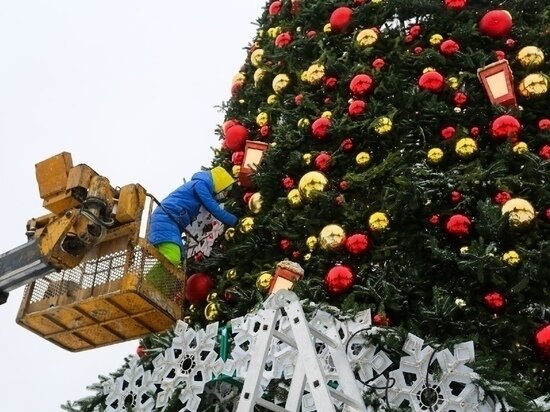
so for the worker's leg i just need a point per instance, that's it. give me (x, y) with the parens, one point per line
(158, 276)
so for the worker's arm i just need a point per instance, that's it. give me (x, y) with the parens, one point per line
(210, 203)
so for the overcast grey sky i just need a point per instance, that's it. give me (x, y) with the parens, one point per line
(129, 88)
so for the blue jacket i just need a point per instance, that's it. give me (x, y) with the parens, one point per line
(183, 205)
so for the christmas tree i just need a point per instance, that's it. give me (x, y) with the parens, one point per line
(405, 169)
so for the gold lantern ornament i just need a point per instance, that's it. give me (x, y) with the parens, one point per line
(280, 82)
(229, 233)
(246, 225)
(383, 125)
(498, 81)
(294, 198)
(466, 147)
(212, 311)
(534, 85)
(263, 281)
(530, 57)
(520, 212)
(434, 156)
(332, 237)
(286, 274)
(255, 203)
(367, 37)
(362, 159)
(311, 183)
(378, 221)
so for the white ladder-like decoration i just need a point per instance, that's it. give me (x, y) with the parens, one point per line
(308, 368)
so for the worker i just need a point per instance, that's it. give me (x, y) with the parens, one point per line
(180, 208)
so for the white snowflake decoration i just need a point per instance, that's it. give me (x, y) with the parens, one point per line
(135, 389)
(187, 365)
(415, 385)
(204, 230)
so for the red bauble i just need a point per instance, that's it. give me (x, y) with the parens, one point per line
(311, 34)
(357, 244)
(460, 98)
(339, 279)
(496, 23)
(247, 196)
(283, 39)
(542, 342)
(546, 214)
(431, 81)
(320, 128)
(415, 31)
(544, 152)
(494, 302)
(343, 185)
(264, 130)
(288, 182)
(378, 64)
(544, 124)
(447, 132)
(236, 88)
(340, 200)
(434, 219)
(500, 55)
(418, 50)
(198, 257)
(340, 18)
(322, 161)
(361, 84)
(381, 319)
(141, 351)
(456, 196)
(474, 131)
(409, 38)
(226, 125)
(275, 8)
(504, 127)
(235, 137)
(198, 287)
(510, 43)
(284, 244)
(502, 197)
(347, 145)
(298, 99)
(455, 4)
(331, 82)
(357, 108)
(449, 47)
(237, 158)
(458, 225)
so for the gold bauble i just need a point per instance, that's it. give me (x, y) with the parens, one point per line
(187, 319)
(303, 123)
(511, 258)
(312, 182)
(257, 57)
(436, 39)
(460, 302)
(280, 82)
(311, 243)
(246, 224)
(212, 311)
(259, 74)
(229, 233)
(255, 203)
(327, 114)
(520, 148)
(274, 31)
(272, 98)
(464, 250)
(453, 83)
(304, 76)
(262, 119)
(327, 28)
(231, 274)
(332, 237)
(238, 78)
(465, 147)
(530, 57)
(307, 256)
(435, 155)
(367, 37)
(294, 198)
(315, 73)
(307, 158)
(236, 170)
(212, 297)
(192, 308)
(263, 281)
(427, 70)
(362, 158)
(383, 125)
(521, 212)
(533, 85)
(378, 221)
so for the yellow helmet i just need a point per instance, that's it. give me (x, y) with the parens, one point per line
(221, 178)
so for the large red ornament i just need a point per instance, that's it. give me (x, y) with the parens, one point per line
(340, 18)
(449, 47)
(431, 81)
(455, 4)
(458, 225)
(494, 302)
(504, 127)
(496, 23)
(198, 287)
(361, 84)
(357, 244)
(235, 137)
(283, 39)
(544, 124)
(275, 8)
(544, 152)
(339, 279)
(460, 98)
(357, 108)
(542, 341)
(320, 128)
(322, 161)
